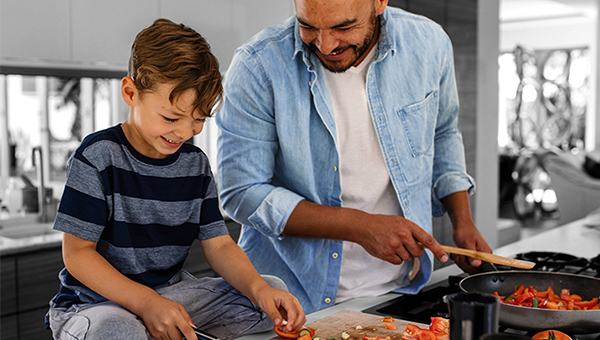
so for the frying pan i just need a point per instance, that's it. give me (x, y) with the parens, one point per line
(538, 319)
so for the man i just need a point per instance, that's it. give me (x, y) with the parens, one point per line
(338, 141)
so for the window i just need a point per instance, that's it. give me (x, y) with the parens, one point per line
(51, 115)
(543, 98)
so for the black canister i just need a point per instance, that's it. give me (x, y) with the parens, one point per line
(473, 315)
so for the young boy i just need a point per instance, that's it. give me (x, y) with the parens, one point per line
(135, 199)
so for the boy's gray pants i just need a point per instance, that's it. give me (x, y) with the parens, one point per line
(214, 306)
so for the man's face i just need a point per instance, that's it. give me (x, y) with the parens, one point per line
(340, 32)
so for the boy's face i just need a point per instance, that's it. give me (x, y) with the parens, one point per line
(157, 128)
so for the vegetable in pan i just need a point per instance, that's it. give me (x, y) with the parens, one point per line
(529, 297)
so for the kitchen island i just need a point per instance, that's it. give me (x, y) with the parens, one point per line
(580, 238)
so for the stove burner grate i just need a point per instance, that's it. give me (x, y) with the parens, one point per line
(560, 262)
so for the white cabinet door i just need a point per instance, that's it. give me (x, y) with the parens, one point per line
(103, 31)
(212, 19)
(35, 30)
(227, 24)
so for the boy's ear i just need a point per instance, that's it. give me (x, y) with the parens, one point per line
(128, 91)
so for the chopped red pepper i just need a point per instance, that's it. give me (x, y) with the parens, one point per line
(548, 299)
(586, 304)
(524, 297)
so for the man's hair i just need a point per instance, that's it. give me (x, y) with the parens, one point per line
(167, 52)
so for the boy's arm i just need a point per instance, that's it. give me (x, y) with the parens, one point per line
(162, 317)
(229, 260)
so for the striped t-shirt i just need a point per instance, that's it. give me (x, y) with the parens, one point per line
(144, 213)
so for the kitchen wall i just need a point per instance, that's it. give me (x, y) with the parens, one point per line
(97, 35)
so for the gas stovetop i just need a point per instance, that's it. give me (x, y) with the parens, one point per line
(431, 301)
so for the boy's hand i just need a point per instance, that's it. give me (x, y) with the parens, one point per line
(280, 305)
(167, 319)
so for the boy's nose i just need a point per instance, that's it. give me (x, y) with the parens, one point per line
(185, 133)
(190, 131)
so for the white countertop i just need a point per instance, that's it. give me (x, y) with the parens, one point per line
(576, 238)
(579, 238)
(25, 234)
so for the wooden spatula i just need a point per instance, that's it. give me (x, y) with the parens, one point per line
(497, 259)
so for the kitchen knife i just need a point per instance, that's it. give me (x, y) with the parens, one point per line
(203, 335)
(497, 259)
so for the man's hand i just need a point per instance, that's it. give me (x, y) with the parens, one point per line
(464, 232)
(468, 237)
(167, 319)
(390, 238)
(394, 239)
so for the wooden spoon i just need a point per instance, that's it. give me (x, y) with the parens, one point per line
(497, 259)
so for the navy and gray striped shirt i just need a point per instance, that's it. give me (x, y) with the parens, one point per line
(144, 213)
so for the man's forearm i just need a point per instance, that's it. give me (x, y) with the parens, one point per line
(458, 207)
(314, 220)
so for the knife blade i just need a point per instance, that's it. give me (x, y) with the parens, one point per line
(203, 335)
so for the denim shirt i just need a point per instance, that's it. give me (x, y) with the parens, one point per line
(277, 144)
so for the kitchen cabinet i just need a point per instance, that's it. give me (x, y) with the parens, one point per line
(35, 30)
(103, 31)
(29, 280)
(87, 35)
(9, 287)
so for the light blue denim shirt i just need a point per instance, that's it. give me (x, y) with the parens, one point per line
(277, 144)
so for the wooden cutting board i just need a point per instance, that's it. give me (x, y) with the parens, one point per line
(332, 326)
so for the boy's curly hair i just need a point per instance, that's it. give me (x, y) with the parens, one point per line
(167, 52)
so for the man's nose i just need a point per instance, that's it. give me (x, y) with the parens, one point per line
(326, 42)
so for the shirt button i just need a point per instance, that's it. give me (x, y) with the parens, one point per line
(334, 255)
(327, 300)
(335, 168)
(309, 83)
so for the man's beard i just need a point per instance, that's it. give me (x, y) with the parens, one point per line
(359, 50)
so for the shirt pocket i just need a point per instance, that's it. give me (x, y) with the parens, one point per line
(419, 122)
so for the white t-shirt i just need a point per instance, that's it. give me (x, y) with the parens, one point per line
(365, 182)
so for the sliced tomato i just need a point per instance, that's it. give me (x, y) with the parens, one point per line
(440, 327)
(388, 319)
(293, 335)
(390, 326)
(413, 332)
(427, 335)
(551, 335)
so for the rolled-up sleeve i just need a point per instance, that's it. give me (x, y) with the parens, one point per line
(449, 170)
(247, 146)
